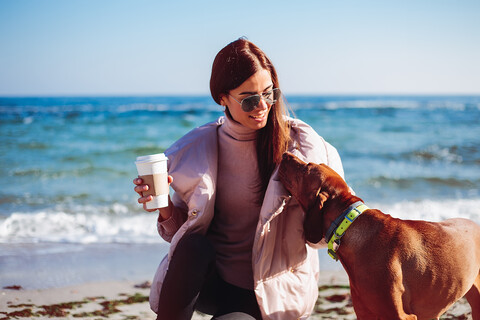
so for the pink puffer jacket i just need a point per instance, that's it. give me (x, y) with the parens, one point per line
(285, 266)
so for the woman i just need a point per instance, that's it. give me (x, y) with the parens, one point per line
(238, 249)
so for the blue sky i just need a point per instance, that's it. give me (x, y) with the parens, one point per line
(146, 47)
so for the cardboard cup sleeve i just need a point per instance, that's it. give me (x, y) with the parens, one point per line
(153, 171)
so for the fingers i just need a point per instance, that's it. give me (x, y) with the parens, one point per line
(145, 199)
(141, 188)
(139, 181)
(148, 210)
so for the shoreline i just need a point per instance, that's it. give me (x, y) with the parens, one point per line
(54, 265)
(129, 300)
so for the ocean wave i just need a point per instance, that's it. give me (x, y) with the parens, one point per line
(59, 173)
(372, 104)
(436, 152)
(410, 182)
(92, 224)
(89, 225)
(27, 109)
(432, 210)
(468, 153)
(462, 153)
(453, 103)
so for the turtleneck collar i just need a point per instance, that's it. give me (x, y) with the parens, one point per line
(238, 131)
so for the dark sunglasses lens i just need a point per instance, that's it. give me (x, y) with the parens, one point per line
(250, 103)
(272, 96)
(276, 94)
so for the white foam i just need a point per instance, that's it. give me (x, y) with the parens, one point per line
(368, 104)
(88, 225)
(120, 224)
(432, 210)
(389, 103)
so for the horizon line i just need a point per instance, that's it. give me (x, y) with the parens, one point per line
(292, 94)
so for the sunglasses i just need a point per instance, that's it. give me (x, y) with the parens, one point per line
(250, 103)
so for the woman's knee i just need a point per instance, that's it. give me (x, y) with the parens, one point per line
(234, 316)
(195, 246)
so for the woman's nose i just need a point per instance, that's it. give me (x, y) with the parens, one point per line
(262, 104)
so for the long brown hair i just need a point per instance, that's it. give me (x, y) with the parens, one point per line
(234, 64)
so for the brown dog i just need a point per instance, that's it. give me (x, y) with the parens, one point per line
(398, 269)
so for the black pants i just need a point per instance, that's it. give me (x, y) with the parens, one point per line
(192, 283)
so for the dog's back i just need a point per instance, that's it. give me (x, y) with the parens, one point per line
(439, 263)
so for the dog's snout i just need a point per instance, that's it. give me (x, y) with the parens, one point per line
(287, 156)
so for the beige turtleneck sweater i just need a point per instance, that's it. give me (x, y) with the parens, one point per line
(237, 210)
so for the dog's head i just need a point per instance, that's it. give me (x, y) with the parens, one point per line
(312, 185)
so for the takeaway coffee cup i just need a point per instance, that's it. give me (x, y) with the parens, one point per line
(153, 171)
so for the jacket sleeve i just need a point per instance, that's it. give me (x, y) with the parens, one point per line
(315, 148)
(333, 159)
(334, 162)
(188, 165)
(167, 228)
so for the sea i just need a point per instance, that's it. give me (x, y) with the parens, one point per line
(69, 215)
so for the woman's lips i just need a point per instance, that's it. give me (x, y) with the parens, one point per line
(259, 117)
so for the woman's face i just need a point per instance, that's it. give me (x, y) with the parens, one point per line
(260, 82)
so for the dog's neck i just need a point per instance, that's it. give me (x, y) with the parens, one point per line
(340, 225)
(334, 207)
(338, 221)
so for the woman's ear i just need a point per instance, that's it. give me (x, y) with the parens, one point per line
(223, 101)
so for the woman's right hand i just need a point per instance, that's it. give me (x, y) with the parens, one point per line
(140, 187)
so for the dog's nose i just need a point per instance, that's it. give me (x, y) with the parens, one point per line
(286, 156)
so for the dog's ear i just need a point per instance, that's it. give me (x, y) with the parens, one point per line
(313, 224)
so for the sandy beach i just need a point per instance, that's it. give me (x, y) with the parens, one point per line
(129, 300)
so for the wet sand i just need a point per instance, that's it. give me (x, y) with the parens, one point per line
(129, 300)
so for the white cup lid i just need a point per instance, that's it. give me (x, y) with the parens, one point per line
(152, 158)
